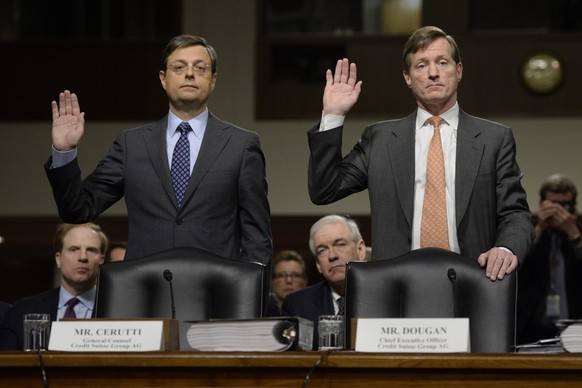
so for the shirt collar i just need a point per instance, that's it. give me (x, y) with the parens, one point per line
(198, 123)
(87, 298)
(451, 117)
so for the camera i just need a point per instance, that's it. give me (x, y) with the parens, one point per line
(568, 205)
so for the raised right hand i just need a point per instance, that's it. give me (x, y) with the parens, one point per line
(341, 88)
(68, 122)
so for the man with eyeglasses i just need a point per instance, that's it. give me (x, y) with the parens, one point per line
(289, 275)
(189, 179)
(334, 241)
(549, 287)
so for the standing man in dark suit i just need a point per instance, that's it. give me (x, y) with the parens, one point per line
(79, 250)
(487, 215)
(334, 241)
(224, 209)
(549, 287)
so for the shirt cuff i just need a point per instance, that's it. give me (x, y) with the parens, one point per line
(330, 121)
(62, 158)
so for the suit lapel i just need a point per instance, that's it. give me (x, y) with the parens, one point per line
(216, 136)
(401, 156)
(469, 155)
(326, 300)
(155, 141)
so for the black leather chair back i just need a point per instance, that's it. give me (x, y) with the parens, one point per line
(205, 286)
(419, 285)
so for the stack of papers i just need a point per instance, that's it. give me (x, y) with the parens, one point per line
(550, 345)
(253, 335)
(571, 337)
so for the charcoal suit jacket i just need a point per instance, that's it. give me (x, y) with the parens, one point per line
(310, 303)
(12, 331)
(490, 202)
(225, 209)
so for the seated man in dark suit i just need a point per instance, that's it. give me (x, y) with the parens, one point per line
(3, 309)
(79, 250)
(334, 241)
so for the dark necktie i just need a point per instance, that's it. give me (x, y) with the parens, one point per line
(70, 311)
(181, 163)
(341, 304)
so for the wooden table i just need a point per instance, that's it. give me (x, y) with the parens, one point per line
(289, 369)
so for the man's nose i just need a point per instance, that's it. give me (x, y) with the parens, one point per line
(333, 255)
(433, 70)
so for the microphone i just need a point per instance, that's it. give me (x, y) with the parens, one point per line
(168, 276)
(452, 275)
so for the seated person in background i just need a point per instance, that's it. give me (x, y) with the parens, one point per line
(116, 251)
(3, 309)
(549, 286)
(288, 275)
(334, 241)
(79, 250)
(368, 253)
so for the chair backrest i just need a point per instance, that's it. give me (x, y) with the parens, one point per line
(206, 286)
(419, 285)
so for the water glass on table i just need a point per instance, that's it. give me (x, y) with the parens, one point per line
(36, 331)
(331, 332)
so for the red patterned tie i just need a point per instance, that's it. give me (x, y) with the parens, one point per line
(70, 311)
(434, 231)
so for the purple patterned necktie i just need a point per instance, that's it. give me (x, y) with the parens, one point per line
(70, 311)
(181, 163)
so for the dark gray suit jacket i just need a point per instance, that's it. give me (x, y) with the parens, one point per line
(310, 303)
(12, 331)
(491, 206)
(225, 210)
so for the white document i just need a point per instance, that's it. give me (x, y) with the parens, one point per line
(413, 335)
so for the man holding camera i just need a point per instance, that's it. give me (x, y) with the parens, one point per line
(549, 282)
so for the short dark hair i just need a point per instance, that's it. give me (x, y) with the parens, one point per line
(423, 37)
(558, 183)
(183, 41)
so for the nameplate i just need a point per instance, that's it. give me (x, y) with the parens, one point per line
(89, 335)
(412, 335)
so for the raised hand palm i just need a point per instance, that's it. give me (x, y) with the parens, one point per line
(68, 122)
(342, 88)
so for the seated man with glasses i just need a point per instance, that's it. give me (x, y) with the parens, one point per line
(334, 241)
(289, 275)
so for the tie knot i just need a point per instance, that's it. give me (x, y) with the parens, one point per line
(184, 128)
(72, 302)
(436, 121)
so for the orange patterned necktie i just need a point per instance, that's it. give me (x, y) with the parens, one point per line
(434, 231)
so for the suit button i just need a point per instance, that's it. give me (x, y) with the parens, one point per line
(179, 221)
